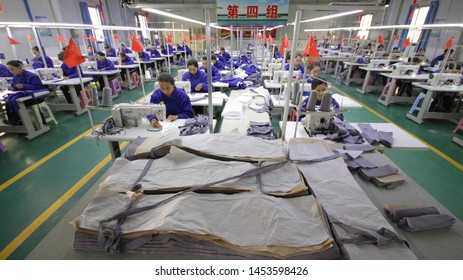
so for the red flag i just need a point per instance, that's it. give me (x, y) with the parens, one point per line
(284, 44)
(73, 56)
(313, 52)
(342, 38)
(1, 9)
(92, 39)
(116, 37)
(128, 37)
(147, 18)
(358, 37)
(60, 38)
(396, 37)
(136, 45)
(406, 43)
(270, 39)
(12, 41)
(101, 11)
(186, 39)
(29, 38)
(307, 47)
(212, 39)
(450, 42)
(359, 17)
(84, 37)
(196, 37)
(413, 10)
(204, 37)
(380, 39)
(169, 38)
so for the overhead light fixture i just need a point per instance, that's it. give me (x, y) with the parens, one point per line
(332, 16)
(154, 11)
(424, 26)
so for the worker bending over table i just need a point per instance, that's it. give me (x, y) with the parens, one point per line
(178, 105)
(320, 87)
(198, 79)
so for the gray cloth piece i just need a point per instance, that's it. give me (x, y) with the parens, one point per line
(265, 108)
(263, 130)
(398, 214)
(386, 138)
(426, 222)
(363, 162)
(378, 172)
(197, 125)
(369, 133)
(364, 147)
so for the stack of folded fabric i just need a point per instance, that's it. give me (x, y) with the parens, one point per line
(418, 218)
(345, 133)
(197, 125)
(263, 130)
(384, 176)
(233, 110)
(375, 137)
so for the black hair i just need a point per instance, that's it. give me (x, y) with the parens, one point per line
(222, 48)
(416, 60)
(192, 62)
(35, 48)
(61, 55)
(316, 82)
(123, 54)
(204, 58)
(313, 65)
(106, 46)
(167, 78)
(14, 63)
(101, 54)
(122, 45)
(213, 57)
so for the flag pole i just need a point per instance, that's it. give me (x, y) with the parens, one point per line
(12, 46)
(85, 98)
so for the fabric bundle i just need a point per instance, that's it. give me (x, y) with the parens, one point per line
(197, 125)
(263, 130)
(418, 218)
(233, 110)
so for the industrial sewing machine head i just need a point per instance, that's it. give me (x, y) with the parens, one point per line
(440, 79)
(4, 84)
(130, 115)
(379, 63)
(280, 76)
(405, 69)
(319, 119)
(46, 74)
(89, 65)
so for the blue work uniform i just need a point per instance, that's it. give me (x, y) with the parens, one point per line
(219, 65)
(29, 80)
(199, 78)
(215, 73)
(37, 62)
(4, 72)
(111, 52)
(437, 59)
(144, 56)
(127, 61)
(69, 72)
(155, 53)
(177, 104)
(296, 68)
(334, 103)
(105, 65)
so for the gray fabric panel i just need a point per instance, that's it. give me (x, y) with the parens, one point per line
(378, 172)
(398, 214)
(426, 222)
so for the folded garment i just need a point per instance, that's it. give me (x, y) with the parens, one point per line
(197, 97)
(364, 147)
(386, 138)
(381, 171)
(369, 133)
(259, 108)
(426, 222)
(233, 110)
(389, 182)
(398, 212)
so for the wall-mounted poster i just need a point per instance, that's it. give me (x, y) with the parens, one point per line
(46, 32)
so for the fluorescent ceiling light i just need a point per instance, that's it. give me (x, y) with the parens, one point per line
(424, 26)
(332, 16)
(154, 11)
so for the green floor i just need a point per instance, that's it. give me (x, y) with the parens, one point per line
(45, 189)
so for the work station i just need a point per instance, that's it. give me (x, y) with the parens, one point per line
(287, 130)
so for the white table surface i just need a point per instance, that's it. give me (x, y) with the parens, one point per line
(67, 82)
(343, 101)
(402, 140)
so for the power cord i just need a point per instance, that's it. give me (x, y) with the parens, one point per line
(107, 127)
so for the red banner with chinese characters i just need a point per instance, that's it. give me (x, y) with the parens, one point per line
(244, 12)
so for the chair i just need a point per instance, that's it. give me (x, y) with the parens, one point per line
(46, 111)
(385, 89)
(459, 126)
(418, 102)
(135, 78)
(115, 86)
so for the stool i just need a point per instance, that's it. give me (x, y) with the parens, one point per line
(49, 117)
(115, 86)
(81, 97)
(135, 78)
(418, 102)
(459, 126)
(293, 115)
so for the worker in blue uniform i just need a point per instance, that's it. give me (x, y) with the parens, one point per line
(104, 64)
(440, 57)
(223, 55)
(320, 87)
(68, 73)
(22, 81)
(178, 105)
(37, 61)
(215, 72)
(126, 60)
(123, 48)
(110, 52)
(198, 79)
(217, 63)
(297, 64)
(4, 72)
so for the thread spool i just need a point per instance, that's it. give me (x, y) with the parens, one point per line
(95, 99)
(298, 97)
(325, 105)
(107, 99)
(294, 90)
(312, 101)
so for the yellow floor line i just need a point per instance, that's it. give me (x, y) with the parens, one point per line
(42, 161)
(432, 148)
(52, 209)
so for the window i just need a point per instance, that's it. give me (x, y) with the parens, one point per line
(365, 23)
(419, 16)
(96, 21)
(143, 25)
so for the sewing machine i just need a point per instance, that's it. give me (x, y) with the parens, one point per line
(185, 85)
(378, 63)
(317, 121)
(280, 75)
(440, 79)
(46, 74)
(89, 65)
(4, 84)
(130, 115)
(405, 69)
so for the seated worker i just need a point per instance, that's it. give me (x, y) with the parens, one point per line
(104, 64)
(37, 61)
(90, 51)
(178, 105)
(276, 53)
(406, 85)
(155, 52)
(4, 72)
(68, 73)
(198, 79)
(440, 57)
(380, 48)
(217, 63)
(297, 64)
(123, 48)
(215, 72)
(22, 80)
(223, 56)
(313, 70)
(143, 56)
(321, 87)
(164, 50)
(110, 52)
(127, 60)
